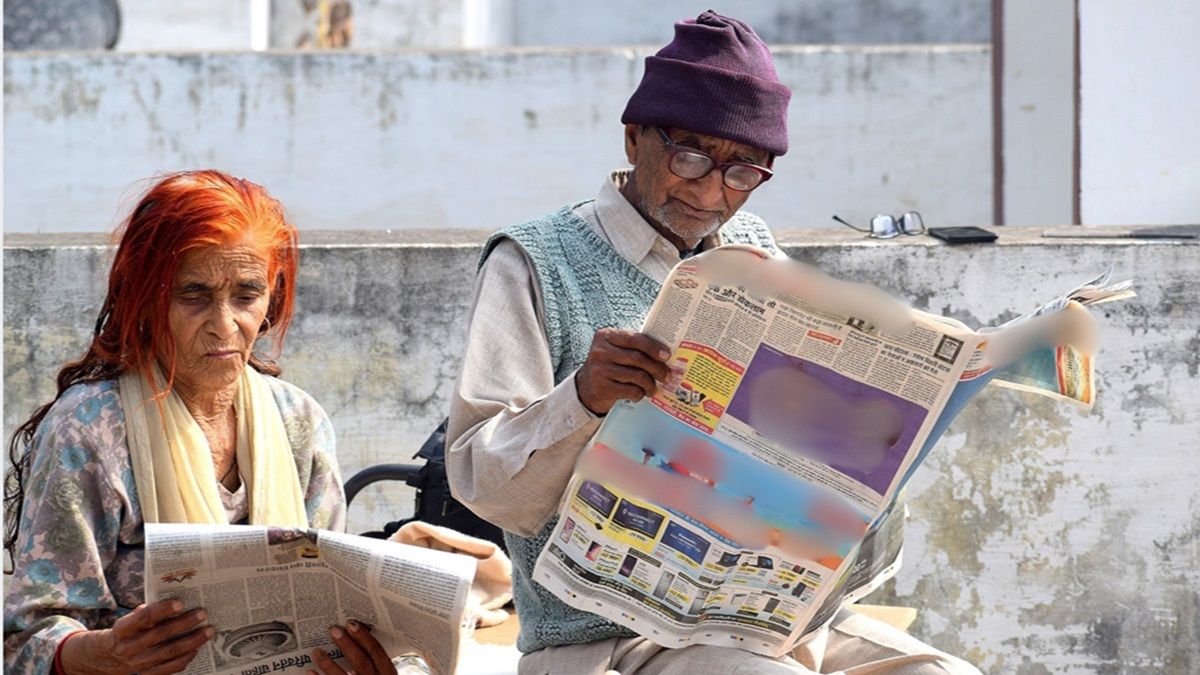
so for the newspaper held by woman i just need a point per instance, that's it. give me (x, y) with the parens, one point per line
(272, 593)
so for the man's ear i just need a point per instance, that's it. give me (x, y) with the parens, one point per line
(632, 131)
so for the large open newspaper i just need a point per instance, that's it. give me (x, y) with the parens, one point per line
(273, 593)
(757, 491)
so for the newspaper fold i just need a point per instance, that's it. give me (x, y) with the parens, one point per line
(273, 593)
(759, 489)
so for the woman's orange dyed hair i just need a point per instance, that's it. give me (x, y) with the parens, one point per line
(182, 213)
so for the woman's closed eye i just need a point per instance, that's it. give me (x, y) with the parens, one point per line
(193, 299)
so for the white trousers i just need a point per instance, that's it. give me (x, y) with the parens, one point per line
(853, 644)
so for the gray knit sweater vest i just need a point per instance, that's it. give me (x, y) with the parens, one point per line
(586, 285)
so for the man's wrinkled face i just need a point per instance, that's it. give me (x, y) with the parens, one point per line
(688, 209)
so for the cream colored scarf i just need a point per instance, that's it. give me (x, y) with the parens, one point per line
(173, 466)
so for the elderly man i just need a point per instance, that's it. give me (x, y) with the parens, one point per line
(553, 343)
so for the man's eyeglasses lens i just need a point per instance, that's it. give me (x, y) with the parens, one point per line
(691, 164)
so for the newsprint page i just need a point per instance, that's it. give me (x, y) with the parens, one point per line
(759, 489)
(272, 593)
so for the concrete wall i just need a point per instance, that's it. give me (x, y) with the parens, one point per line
(779, 22)
(1043, 539)
(1038, 109)
(1140, 108)
(383, 24)
(438, 139)
(378, 24)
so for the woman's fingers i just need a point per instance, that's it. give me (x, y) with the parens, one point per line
(326, 663)
(145, 616)
(175, 665)
(159, 637)
(361, 633)
(360, 661)
(163, 632)
(363, 652)
(182, 648)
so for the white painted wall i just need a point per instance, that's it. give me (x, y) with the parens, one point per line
(175, 25)
(1038, 108)
(472, 138)
(1140, 113)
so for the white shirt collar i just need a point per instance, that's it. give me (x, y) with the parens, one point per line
(626, 229)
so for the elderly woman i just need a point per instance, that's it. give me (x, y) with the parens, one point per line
(168, 417)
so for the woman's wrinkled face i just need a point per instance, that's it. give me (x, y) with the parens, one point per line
(219, 301)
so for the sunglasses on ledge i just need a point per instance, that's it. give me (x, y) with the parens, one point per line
(884, 226)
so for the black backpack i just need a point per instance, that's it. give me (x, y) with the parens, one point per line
(434, 503)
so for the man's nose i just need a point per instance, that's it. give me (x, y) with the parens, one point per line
(709, 189)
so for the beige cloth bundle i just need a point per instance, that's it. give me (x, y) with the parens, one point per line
(492, 588)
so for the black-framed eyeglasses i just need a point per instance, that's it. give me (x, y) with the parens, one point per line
(690, 163)
(884, 226)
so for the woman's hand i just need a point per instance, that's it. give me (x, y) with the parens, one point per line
(361, 649)
(152, 639)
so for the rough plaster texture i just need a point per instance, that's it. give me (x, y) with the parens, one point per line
(437, 139)
(1043, 539)
(614, 22)
(384, 24)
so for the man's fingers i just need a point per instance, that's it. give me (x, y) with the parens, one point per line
(636, 350)
(379, 657)
(609, 383)
(641, 342)
(621, 364)
(618, 375)
(635, 359)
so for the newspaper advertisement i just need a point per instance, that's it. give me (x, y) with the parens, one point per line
(758, 490)
(273, 593)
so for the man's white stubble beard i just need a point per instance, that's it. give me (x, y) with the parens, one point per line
(663, 215)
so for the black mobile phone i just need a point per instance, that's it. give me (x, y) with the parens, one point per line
(962, 235)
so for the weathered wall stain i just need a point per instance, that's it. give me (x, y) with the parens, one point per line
(1043, 539)
(98, 122)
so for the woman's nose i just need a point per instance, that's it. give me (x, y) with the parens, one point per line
(221, 320)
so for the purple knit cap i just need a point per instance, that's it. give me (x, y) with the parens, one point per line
(715, 78)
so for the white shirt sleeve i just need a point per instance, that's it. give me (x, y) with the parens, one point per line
(513, 435)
